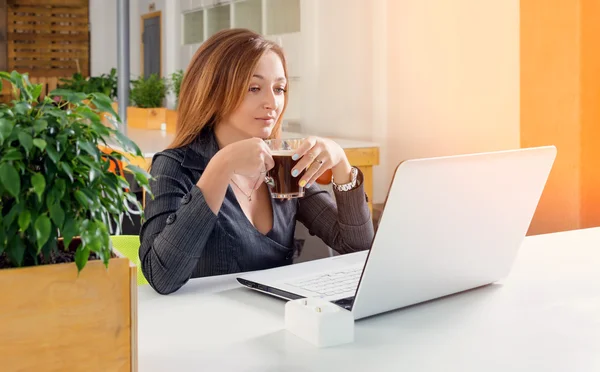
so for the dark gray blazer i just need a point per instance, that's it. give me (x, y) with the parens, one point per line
(182, 238)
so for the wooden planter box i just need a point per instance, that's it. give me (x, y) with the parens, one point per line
(151, 118)
(53, 320)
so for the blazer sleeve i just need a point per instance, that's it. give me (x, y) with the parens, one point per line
(344, 224)
(178, 223)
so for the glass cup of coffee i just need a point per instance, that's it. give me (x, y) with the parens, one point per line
(280, 180)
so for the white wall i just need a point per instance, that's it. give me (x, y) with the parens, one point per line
(103, 36)
(337, 82)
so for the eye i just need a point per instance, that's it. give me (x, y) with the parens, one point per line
(254, 89)
(280, 90)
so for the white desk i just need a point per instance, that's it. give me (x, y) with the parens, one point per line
(544, 317)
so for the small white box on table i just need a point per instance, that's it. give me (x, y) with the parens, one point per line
(319, 322)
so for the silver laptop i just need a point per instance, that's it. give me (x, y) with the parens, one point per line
(449, 224)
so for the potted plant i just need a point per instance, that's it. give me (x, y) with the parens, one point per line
(175, 87)
(146, 109)
(105, 83)
(68, 299)
(176, 79)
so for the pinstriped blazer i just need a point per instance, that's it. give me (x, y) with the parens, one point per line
(181, 238)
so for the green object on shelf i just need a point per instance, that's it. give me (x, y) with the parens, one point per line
(128, 246)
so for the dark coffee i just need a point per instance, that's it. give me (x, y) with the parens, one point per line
(281, 182)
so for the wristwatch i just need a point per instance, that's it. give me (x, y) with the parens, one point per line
(350, 185)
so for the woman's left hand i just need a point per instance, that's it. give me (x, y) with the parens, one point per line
(317, 155)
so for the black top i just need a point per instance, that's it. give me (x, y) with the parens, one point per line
(182, 238)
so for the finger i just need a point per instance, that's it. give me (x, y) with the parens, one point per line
(306, 145)
(322, 169)
(267, 158)
(306, 160)
(265, 165)
(312, 170)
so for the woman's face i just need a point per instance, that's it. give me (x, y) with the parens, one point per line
(264, 101)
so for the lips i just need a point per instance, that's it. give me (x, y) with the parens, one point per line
(268, 121)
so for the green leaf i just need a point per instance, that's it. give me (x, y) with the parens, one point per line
(91, 235)
(89, 162)
(12, 154)
(51, 198)
(61, 186)
(53, 154)
(50, 246)
(104, 251)
(6, 127)
(24, 220)
(87, 112)
(91, 195)
(36, 91)
(101, 129)
(10, 179)
(127, 144)
(83, 199)
(22, 108)
(68, 95)
(26, 141)
(8, 219)
(131, 197)
(110, 205)
(137, 170)
(69, 230)
(94, 174)
(104, 104)
(67, 168)
(16, 252)
(42, 230)
(39, 143)
(59, 114)
(2, 240)
(82, 255)
(40, 125)
(57, 214)
(39, 184)
(90, 149)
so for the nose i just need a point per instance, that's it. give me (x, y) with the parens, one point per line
(270, 102)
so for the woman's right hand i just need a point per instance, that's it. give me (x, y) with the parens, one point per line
(249, 158)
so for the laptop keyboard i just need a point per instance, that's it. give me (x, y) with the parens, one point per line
(343, 282)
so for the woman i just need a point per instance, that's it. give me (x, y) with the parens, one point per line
(212, 213)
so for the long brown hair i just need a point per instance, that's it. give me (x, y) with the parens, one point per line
(217, 79)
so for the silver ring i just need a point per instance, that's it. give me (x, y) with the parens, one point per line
(318, 162)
